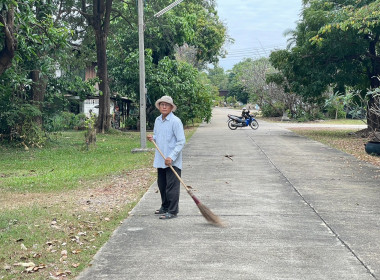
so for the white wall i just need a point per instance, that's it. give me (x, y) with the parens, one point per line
(90, 104)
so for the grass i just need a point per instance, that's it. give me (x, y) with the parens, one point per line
(330, 121)
(344, 122)
(60, 204)
(66, 161)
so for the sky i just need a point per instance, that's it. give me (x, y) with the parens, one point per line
(257, 26)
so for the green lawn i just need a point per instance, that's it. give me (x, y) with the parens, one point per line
(344, 121)
(65, 161)
(331, 121)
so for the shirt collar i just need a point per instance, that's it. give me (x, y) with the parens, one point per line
(168, 117)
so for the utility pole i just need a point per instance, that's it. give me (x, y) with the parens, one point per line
(142, 76)
(140, 7)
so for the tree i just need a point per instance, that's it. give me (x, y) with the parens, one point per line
(179, 34)
(336, 45)
(218, 77)
(364, 21)
(99, 19)
(278, 91)
(37, 41)
(248, 80)
(195, 23)
(184, 83)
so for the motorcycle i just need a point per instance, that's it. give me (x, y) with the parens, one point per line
(235, 121)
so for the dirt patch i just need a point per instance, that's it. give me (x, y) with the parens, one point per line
(116, 191)
(98, 196)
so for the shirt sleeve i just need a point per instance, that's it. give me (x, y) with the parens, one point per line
(155, 130)
(179, 134)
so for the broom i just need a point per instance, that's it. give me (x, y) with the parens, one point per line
(206, 212)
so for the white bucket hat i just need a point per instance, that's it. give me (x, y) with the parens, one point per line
(166, 99)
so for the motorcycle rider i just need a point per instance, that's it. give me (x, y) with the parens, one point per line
(245, 114)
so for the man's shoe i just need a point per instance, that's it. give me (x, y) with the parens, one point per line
(160, 211)
(168, 216)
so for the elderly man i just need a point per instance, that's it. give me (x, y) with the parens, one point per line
(169, 136)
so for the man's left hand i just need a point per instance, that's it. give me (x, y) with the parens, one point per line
(168, 161)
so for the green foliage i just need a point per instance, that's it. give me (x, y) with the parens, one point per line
(231, 100)
(335, 44)
(196, 23)
(218, 77)
(247, 80)
(336, 113)
(43, 45)
(131, 123)
(65, 121)
(19, 126)
(236, 89)
(272, 110)
(39, 43)
(306, 116)
(182, 82)
(335, 106)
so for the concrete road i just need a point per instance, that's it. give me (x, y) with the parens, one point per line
(294, 209)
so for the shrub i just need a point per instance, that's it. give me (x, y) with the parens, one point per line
(64, 121)
(274, 110)
(336, 112)
(131, 123)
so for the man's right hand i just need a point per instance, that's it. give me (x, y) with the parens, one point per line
(150, 137)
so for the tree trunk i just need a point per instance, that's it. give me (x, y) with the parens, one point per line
(100, 21)
(104, 118)
(38, 92)
(10, 44)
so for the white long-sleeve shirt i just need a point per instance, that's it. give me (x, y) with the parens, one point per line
(170, 138)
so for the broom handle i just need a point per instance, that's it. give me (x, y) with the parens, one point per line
(171, 167)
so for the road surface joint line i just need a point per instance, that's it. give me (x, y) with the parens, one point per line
(315, 211)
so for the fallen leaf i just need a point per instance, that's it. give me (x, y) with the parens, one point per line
(29, 269)
(7, 267)
(62, 273)
(23, 247)
(64, 253)
(41, 266)
(75, 265)
(29, 264)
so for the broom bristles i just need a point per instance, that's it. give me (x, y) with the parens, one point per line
(209, 215)
(206, 212)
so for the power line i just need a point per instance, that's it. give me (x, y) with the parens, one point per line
(239, 54)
